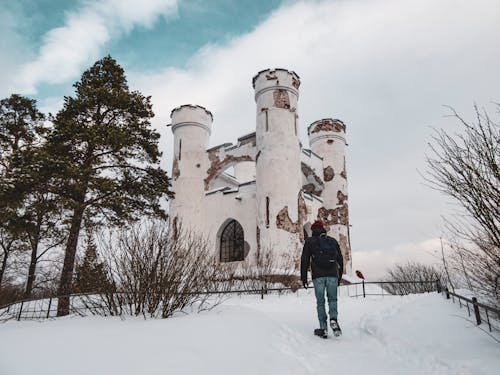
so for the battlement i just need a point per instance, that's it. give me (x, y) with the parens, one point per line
(191, 115)
(193, 107)
(326, 125)
(272, 79)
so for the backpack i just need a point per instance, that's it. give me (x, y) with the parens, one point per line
(324, 255)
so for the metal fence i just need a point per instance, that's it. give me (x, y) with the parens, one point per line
(482, 313)
(99, 304)
(86, 304)
(391, 288)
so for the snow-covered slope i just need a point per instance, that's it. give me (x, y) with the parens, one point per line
(420, 334)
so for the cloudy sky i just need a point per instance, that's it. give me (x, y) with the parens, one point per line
(385, 67)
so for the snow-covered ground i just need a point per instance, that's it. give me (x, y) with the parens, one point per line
(418, 334)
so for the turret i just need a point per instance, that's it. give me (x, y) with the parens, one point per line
(327, 139)
(191, 126)
(280, 208)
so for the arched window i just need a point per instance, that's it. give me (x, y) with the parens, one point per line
(232, 243)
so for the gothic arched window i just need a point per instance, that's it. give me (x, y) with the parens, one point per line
(232, 243)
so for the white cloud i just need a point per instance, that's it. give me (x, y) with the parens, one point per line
(385, 67)
(375, 263)
(65, 50)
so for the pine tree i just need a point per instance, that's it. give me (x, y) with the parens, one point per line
(91, 275)
(103, 158)
(21, 129)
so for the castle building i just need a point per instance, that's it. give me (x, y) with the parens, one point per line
(264, 192)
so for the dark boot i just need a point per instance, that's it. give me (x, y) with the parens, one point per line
(335, 327)
(321, 332)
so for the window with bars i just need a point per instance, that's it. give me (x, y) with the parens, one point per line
(232, 243)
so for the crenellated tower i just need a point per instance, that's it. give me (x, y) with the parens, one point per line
(280, 208)
(327, 138)
(191, 126)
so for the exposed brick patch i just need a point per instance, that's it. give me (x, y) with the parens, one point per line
(284, 222)
(176, 172)
(344, 248)
(328, 125)
(314, 184)
(339, 215)
(328, 173)
(344, 172)
(281, 99)
(217, 165)
(309, 188)
(341, 197)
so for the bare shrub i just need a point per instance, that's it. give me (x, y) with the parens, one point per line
(158, 273)
(267, 270)
(465, 167)
(411, 277)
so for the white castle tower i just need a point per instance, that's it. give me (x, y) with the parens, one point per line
(278, 183)
(262, 193)
(191, 126)
(327, 139)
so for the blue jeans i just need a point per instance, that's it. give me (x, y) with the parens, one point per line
(330, 284)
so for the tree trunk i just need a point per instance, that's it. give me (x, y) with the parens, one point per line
(4, 266)
(31, 272)
(69, 261)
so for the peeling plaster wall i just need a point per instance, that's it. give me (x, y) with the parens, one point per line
(311, 182)
(276, 96)
(327, 139)
(225, 156)
(284, 222)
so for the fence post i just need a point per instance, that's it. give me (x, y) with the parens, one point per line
(447, 293)
(48, 310)
(476, 310)
(438, 286)
(262, 293)
(20, 311)
(364, 293)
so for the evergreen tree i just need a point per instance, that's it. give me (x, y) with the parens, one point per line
(103, 158)
(91, 275)
(21, 130)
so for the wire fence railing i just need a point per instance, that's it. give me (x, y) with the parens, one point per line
(482, 312)
(119, 303)
(122, 303)
(391, 288)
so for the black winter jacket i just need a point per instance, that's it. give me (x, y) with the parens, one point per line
(310, 246)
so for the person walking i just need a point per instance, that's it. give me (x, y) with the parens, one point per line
(322, 253)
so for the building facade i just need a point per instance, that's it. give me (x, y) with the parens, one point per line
(264, 192)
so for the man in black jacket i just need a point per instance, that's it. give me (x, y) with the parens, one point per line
(323, 254)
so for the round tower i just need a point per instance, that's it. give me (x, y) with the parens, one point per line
(327, 138)
(280, 207)
(191, 126)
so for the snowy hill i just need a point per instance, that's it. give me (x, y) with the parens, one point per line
(419, 334)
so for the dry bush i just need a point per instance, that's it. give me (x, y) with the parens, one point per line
(465, 167)
(404, 275)
(158, 272)
(267, 270)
